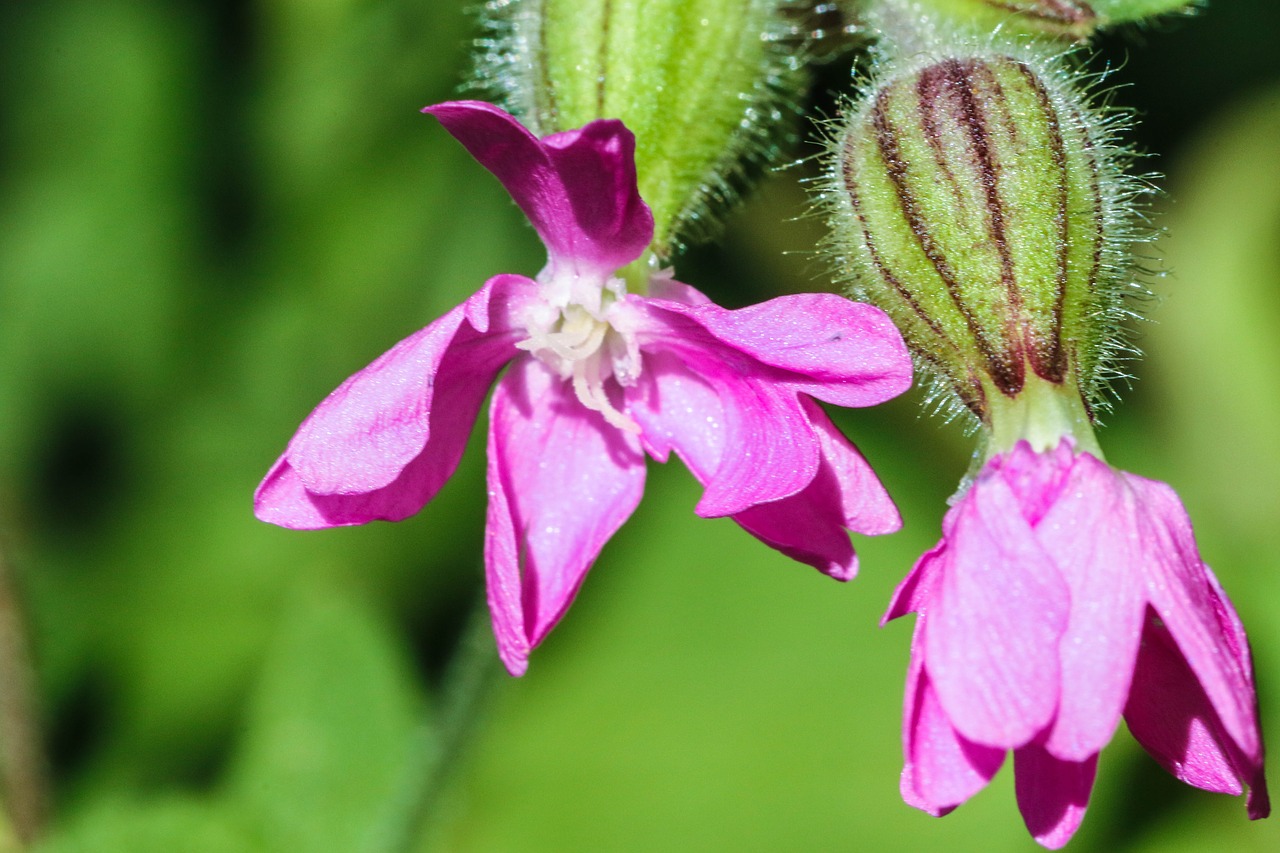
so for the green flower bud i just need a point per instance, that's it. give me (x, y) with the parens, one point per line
(1120, 11)
(703, 84)
(1067, 19)
(981, 203)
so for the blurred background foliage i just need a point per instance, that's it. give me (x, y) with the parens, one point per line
(211, 213)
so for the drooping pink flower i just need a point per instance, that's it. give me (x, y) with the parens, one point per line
(1065, 594)
(596, 378)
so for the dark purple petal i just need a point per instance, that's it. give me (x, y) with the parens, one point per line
(1052, 794)
(810, 525)
(382, 444)
(561, 482)
(1091, 531)
(1186, 596)
(941, 769)
(996, 615)
(842, 352)
(578, 188)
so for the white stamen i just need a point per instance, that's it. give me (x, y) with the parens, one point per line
(576, 331)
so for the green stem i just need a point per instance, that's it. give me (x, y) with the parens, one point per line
(443, 737)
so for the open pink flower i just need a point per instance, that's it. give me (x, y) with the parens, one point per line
(596, 378)
(1063, 595)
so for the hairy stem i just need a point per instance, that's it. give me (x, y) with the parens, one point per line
(443, 737)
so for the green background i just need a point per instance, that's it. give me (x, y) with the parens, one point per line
(212, 213)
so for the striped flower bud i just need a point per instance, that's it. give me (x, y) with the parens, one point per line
(978, 201)
(705, 86)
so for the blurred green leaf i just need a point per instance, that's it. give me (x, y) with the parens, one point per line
(328, 727)
(161, 826)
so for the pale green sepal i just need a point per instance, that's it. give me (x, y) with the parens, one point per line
(1042, 415)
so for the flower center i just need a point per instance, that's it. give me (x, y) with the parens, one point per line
(580, 330)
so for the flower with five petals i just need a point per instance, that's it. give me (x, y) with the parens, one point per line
(1064, 595)
(596, 377)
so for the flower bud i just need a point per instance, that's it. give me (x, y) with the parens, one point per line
(1067, 19)
(1120, 11)
(978, 201)
(703, 84)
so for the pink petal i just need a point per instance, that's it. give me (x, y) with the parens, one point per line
(663, 287)
(372, 450)
(912, 594)
(864, 502)
(283, 499)
(1037, 478)
(361, 437)
(842, 352)
(1187, 598)
(678, 410)
(995, 618)
(748, 441)
(771, 450)
(941, 768)
(1052, 793)
(767, 447)
(1170, 715)
(810, 525)
(561, 482)
(578, 188)
(364, 434)
(1091, 531)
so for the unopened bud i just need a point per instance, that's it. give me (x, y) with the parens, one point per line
(705, 85)
(1119, 11)
(978, 201)
(1069, 19)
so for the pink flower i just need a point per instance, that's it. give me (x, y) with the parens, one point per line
(1064, 594)
(597, 377)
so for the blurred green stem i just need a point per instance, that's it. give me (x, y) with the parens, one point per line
(23, 770)
(453, 719)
